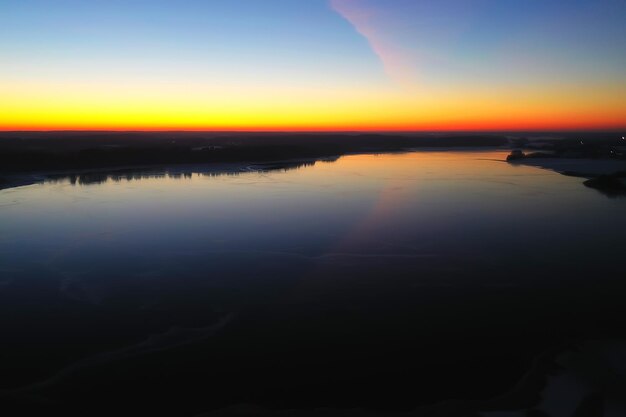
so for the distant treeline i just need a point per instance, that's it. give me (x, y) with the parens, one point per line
(39, 151)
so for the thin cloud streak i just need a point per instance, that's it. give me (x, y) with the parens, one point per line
(397, 63)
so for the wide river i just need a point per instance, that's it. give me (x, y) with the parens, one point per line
(374, 281)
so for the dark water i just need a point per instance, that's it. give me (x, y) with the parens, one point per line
(380, 282)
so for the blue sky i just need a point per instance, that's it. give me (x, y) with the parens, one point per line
(224, 36)
(405, 52)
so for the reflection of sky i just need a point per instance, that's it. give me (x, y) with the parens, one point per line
(398, 260)
(319, 64)
(405, 209)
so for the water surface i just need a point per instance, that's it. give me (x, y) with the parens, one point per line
(379, 281)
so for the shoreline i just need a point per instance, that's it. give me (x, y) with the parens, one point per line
(13, 179)
(605, 175)
(24, 158)
(575, 167)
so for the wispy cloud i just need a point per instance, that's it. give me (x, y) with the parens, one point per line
(365, 19)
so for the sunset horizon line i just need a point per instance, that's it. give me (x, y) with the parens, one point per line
(615, 129)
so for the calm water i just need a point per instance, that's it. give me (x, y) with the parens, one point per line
(373, 281)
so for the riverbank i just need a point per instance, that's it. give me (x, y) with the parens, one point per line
(24, 153)
(33, 157)
(605, 174)
(97, 176)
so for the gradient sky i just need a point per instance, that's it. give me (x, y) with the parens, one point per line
(313, 64)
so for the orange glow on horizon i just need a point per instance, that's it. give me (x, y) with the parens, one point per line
(478, 126)
(195, 107)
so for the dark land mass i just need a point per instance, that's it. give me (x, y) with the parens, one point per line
(601, 160)
(37, 151)
(613, 185)
(45, 154)
(30, 157)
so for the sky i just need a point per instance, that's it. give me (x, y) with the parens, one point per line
(313, 64)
